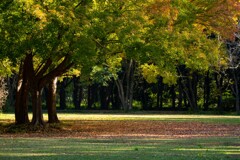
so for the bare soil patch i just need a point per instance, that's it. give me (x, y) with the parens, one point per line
(130, 129)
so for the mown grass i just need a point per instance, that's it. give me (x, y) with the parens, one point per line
(119, 149)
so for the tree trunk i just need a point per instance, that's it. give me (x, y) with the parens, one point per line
(104, 97)
(62, 95)
(12, 83)
(219, 83)
(34, 79)
(125, 92)
(92, 96)
(173, 96)
(121, 95)
(237, 103)
(77, 93)
(180, 95)
(51, 101)
(194, 91)
(185, 100)
(190, 93)
(206, 91)
(159, 94)
(116, 104)
(144, 96)
(37, 108)
(21, 105)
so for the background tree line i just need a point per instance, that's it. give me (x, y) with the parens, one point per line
(99, 54)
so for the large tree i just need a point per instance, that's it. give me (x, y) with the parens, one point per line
(46, 38)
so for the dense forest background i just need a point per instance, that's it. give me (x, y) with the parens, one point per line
(159, 55)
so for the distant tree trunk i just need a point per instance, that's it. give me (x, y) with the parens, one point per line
(116, 104)
(89, 98)
(104, 97)
(194, 91)
(62, 95)
(131, 81)
(219, 84)
(21, 105)
(190, 89)
(125, 92)
(92, 96)
(236, 90)
(185, 100)
(206, 91)
(159, 93)
(144, 96)
(77, 92)
(180, 95)
(51, 101)
(12, 87)
(173, 96)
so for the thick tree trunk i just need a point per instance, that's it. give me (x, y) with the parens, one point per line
(51, 102)
(21, 105)
(34, 79)
(37, 108)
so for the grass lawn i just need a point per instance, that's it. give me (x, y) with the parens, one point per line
(123, 148)
(119, 149)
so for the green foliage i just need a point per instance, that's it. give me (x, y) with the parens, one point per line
(174, 34)
(49, 29)
(6, 68)
(150, 72)
(108, 71)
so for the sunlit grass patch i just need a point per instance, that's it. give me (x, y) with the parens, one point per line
(8, 118)
(179, 118)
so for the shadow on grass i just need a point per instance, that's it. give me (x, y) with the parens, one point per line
(6, 128)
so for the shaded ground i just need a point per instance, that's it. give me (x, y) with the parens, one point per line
(128, 129)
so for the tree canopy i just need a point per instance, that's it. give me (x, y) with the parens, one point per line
(47, 38)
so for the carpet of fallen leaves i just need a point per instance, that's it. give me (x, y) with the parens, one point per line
(132, 129)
